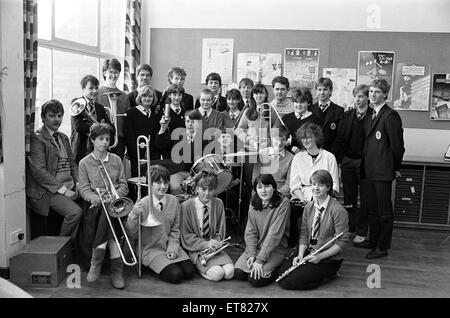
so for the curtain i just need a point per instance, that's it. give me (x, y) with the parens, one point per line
(132, 44)
(30, 65)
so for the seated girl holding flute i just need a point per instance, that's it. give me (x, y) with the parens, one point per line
(161, 250)
(203, 229)
(323, 218)
(266, 234)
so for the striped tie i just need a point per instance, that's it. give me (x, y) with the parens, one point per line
(316, 227)
(205, 222)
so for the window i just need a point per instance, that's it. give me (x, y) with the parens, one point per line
(74, 37)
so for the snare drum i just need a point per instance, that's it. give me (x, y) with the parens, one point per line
(216, 164)
(187, 186)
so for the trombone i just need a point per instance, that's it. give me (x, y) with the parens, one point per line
(141, 143)
(78, 106)
(112, 113)
(115, 207)
(266, 115)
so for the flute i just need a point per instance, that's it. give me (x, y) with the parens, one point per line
(322, 248)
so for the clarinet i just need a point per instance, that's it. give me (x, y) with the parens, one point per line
(325, 246)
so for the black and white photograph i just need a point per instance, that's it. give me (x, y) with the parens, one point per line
(224, 156)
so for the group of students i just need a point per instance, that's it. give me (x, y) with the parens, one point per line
(294, 183)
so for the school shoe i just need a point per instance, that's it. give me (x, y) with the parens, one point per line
(365, 244)
(117, 273)
(98, 254)
(376, 253)
(358, 239)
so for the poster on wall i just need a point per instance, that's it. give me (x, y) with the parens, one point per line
(412, 87)
(440, 97)
(301, 67)
(248, 66)
(270, 67)
(258, 67)
(375, 65)
(344, 81)
(217, 56)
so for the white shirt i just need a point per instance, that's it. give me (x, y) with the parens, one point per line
(190, 137)
(175, 108)
(235, 114)
(317, 207)
(199, 208)
(104, 160)
(144, 111)
(208, 112)
(327, 103)
(301, 116)
(302, 168)
(146, 222)
(377, 108)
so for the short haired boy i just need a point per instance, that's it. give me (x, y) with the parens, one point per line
(214, 84)
(329, 113)
(384, 136)
(82, 122)
(177, 76)
(144, 74)
(352, 133)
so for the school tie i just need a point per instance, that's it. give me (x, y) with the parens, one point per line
(374, 115)
(56, 138)
(205, 222)
(232, 116)
(161, 206)
(323, 106)
(204, 114)
(177, 111)
(316, 226)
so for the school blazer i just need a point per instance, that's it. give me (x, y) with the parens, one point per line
(41, 169)
(80, 131)
(346, 127)
(384, 146)
(330, 125)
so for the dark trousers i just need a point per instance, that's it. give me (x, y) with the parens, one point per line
(247, 188)
(71, 212)
(352, 181)
(381, 214)
(175, 273)
(295, 224)
(241, 275)
(309, 275)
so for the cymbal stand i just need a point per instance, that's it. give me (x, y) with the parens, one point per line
(241, 243)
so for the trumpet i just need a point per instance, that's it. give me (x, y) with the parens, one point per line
(78, 106)
(112, 114)
(206, 254)
(115, 207)
(322, 248)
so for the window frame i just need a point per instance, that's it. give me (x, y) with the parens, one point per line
(58, 44)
